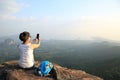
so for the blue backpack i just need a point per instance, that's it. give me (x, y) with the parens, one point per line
(44, 68)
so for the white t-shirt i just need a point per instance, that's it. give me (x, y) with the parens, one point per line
(26, 56)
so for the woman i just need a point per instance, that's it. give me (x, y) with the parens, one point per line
(26, 48)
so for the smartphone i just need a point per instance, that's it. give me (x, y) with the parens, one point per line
(37, 36)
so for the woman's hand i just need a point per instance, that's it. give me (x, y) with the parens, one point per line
(34, 40)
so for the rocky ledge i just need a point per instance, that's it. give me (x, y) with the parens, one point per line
(10, 71)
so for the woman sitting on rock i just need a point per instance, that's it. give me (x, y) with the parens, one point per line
(26, 48)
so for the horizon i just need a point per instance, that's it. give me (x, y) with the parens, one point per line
(94, 39)
(64, 19)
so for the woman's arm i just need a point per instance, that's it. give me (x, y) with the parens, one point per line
(33, 46)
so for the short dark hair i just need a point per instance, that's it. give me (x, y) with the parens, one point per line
(24, 36)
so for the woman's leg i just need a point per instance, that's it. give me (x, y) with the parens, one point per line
(53, 73)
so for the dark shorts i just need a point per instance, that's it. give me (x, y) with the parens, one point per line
(31, 68)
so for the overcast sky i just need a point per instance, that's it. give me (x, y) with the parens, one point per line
(61, 19)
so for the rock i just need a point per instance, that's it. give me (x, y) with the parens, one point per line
(11, 71)
(9, 41)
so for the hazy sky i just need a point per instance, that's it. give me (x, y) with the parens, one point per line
(61, 19)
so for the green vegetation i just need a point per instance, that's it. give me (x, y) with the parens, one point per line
(97, 58)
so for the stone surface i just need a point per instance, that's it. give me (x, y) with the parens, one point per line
(11, 71)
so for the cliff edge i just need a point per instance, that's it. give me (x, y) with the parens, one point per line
(10, 71)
